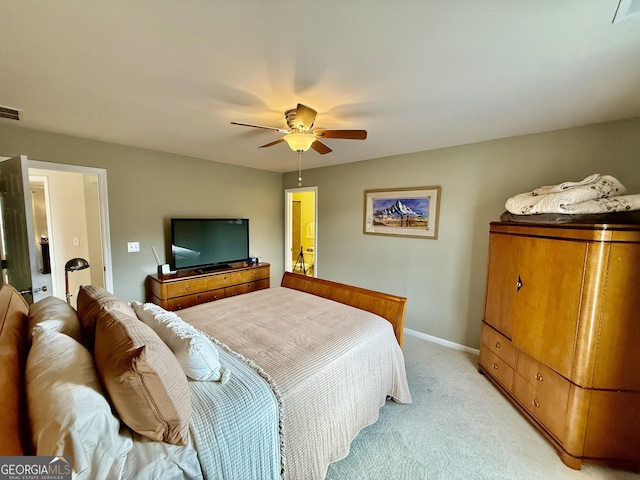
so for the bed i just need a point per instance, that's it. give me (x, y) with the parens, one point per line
(271, 384)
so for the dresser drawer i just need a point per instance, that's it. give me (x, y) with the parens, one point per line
(246, 288)
(543, 392)
(219, 281)
(496, 367)
(251, 275)
(179, 289)
(190, 300)
(499, 344)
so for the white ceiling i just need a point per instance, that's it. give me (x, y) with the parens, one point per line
(416, 74)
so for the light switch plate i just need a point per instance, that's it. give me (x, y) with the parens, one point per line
(133, 247)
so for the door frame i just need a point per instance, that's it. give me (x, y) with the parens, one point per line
(101, 174)
(288, 201)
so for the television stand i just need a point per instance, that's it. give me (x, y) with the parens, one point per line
(213, 268)
(186, 288)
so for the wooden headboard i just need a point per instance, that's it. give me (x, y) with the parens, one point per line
(14, 429)
(390, 307)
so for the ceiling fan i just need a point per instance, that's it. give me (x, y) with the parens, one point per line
(299, 135)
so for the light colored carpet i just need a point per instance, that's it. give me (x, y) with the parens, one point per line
(458, 427)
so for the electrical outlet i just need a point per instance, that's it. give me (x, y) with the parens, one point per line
(133, 247)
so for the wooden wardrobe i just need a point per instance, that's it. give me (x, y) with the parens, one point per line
(561, 334)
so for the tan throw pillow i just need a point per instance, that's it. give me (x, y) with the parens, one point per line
(91, 301)
(146, 384)
(68, 411)
(54, 314)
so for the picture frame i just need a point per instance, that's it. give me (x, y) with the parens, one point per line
(402, 212)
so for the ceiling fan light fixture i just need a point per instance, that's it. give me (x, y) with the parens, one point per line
(299, 142)
(299, 136)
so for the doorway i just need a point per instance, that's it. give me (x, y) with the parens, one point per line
(70, 222)
(301, 253)
(68, 219)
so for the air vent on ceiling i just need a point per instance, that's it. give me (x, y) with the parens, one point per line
(10, 113)
(626, 9)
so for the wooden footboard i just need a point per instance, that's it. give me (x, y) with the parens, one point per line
(390, 307)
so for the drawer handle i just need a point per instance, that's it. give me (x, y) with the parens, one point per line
(495, 366)
(518, 284)
(536, 403)
(497, 344)
(539, 377)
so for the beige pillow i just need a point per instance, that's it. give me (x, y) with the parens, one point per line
(68, 412)
(147, 387)
(91, 301)
(52, 313)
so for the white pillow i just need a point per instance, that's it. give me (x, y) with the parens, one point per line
(68, 412)
(196, 354)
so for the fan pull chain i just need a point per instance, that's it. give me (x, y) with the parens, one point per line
(299, 168)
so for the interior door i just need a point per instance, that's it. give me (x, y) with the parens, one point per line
(19, 267)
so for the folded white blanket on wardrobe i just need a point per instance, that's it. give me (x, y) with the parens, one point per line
(623, 203)
(567, 197)
(591, 179)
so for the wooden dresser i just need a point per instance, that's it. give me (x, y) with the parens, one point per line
(561, 334)
(187, 288)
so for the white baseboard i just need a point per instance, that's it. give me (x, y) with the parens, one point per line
(441, 341)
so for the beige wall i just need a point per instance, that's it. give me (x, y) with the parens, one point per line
(146, 188)
(444, 279)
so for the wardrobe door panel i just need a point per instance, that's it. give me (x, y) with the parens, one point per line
(547, 305)
(504, 255)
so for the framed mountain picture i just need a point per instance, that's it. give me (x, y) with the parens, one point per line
(404, 212)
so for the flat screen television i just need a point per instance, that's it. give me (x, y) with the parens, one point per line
(208, 243)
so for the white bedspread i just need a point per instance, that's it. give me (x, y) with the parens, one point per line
(332, 367)
(149, 459)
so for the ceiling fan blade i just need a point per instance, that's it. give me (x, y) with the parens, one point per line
(275, 142)
(320, 147)
(305, 116)
(282, 130)
(347, 134)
